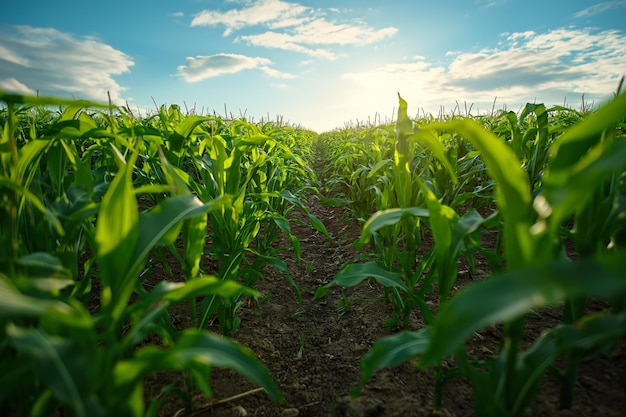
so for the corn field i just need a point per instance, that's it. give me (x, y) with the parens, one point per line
(94, 197)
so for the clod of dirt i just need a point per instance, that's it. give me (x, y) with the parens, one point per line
(290, 412)
(239, 411)
(360, 407)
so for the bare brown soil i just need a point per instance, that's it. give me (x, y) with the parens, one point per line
(313, 348)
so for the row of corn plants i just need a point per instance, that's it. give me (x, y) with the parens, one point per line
(545, 177)
(90, 196)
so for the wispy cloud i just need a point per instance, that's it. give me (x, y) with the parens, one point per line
(58, 63)
(488, 3)
(548, 66)
(274, 13)
(202, 67)
(273, 73)
(601, 8)
(286, 42)
(319, 32)
(292, 27)
(13, 85)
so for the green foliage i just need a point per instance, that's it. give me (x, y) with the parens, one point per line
(555, 175)
(87, 193)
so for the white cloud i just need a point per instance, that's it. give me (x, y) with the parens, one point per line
(13, 85)
(262, 12)
(320, 31)
(286, 42)
(548, 67)
(292, 27)
(202, 67)
(57, 63)
(13, 57)
(271, 72)
(600, 8)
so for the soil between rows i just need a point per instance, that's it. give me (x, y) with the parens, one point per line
(313, 348)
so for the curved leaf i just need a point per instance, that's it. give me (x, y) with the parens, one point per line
(352, 274)
(431, 141)
(155, 225)
(576, 142)
(512, 294)
(392, 351)
(63, 365)
(197, 350)
(15, 304)
(117, 233)
(513, 188)
(389, 217)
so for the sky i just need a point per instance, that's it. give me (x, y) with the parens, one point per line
(318, 64)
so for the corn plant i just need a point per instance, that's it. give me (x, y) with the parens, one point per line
(254, 176)
(58, 356)
(396, 228)
(582, 178)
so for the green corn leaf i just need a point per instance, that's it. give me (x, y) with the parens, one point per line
(183, 131)
(389, 217)
(378, 166)
(205, 348)
(194, 228)
(571, 188)
(15, 304)
(590, 335)
(540, 143)
(49, 215)
(442, 220)
(175, 292)
(315, 222)
(510, 295)
(64, 366)
(29, 156)
(194, 240)
(579, 139)
(431, 141)
(255, 140)
(55, 165)
(391, 351)
(189, 123)
(283, 224)
(166, 294)
(233, 182)
(195, 350)
(116, 235)
(82, 173)
(512, 188)
(11, 98)
(157, 225)
(45, 272)
(353, 274)
(402, 155)
(404, 128)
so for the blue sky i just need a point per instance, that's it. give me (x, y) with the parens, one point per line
(320, 64)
